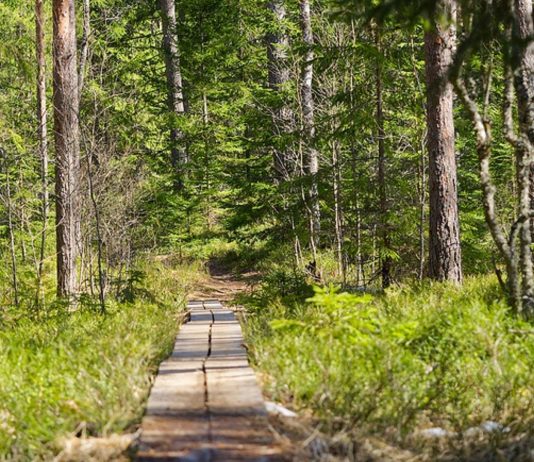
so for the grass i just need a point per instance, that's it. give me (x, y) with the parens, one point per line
(62, 373)
(431, 355)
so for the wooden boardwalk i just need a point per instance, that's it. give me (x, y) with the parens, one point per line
(206, 405)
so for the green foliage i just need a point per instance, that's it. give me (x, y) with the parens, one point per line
(428, 355)
(286, 283)
(83, 372)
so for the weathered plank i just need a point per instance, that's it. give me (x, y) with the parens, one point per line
(176, 424)
(206, 404)
(239, 427)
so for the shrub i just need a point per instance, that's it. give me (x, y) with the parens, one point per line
(431, 355)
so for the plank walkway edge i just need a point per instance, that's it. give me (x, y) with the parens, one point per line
(206, 405)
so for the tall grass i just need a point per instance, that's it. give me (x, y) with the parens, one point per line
(62, 373)
(412, 358)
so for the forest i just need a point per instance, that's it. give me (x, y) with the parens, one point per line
(354, 179)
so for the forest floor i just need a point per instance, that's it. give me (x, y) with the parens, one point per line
(222, 283)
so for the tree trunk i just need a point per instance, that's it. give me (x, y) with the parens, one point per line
(308, 123)
(14, 273)
(278, 76)
(523, 56)
(42, 134)
(84, 47)
(101, 276)
(523, 35)
(445, 262)
(66, 128)
(338, 209)
(175, 96)
(382, 191)
(422, 214)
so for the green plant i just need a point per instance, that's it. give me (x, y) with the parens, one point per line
(65, 372)
(433, 354)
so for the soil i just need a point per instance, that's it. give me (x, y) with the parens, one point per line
(223, 283)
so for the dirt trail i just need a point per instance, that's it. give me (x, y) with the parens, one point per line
(223, 284)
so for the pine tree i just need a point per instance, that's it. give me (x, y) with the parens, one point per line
(67, 144)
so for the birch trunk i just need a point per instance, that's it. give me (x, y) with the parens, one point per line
(338, 209)
(523, 57)
(42, 134)
(306, 94)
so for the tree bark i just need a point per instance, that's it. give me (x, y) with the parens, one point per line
(84, 47)
(101, 276)
(42, 134)
(308, 123)
(523, 57)
(523, 54)
(10, 225)
(422, 214)
(175, 95)
(67, 142)
(338, 209)
(382, 190)
(278, 77)
(445, 261)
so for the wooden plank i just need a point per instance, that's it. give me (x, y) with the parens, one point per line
(213, 305)
(195, 304)
(206, 404)
(176, 423)
(239, 426)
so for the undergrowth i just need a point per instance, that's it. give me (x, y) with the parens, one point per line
(393, 364)
(64, 373)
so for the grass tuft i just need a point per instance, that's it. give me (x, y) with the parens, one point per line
(392, 364)
(84, 373)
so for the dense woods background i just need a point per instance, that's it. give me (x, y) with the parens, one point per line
(365, 144)
(257, 124)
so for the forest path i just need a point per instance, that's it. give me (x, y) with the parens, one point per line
(222, 283)
(206, 404)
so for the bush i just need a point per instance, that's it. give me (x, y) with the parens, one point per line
(431, 355)
(84, 372)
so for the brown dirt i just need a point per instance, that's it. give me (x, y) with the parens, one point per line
(223, 284)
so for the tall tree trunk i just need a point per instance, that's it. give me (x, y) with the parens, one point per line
(278, 77)
(98, 230)
(523, 56)
(175, 95)
(523, 42)
(308, 123)
(42, 134)
(10, 225)
(422, 214)
(360, 267)
(84, 46)
(445, 261)
(67, 141)
(338, 209)
(382, 191)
